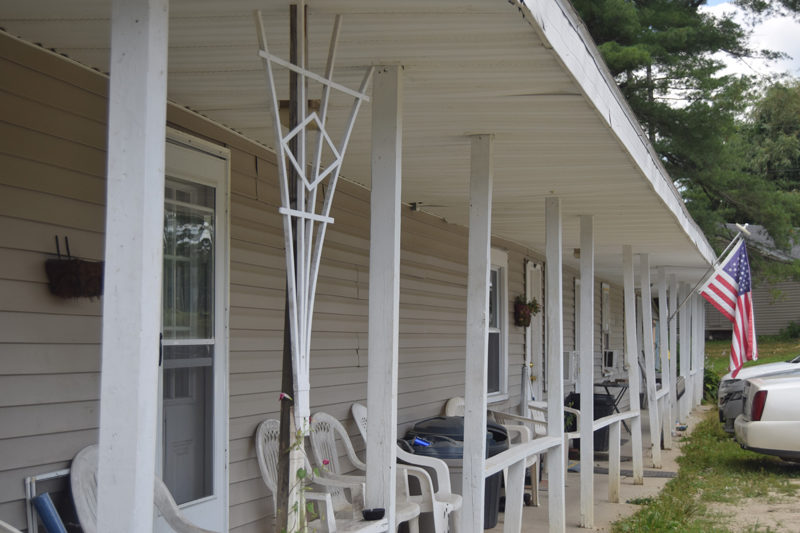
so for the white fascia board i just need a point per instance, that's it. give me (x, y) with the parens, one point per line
(562, 30)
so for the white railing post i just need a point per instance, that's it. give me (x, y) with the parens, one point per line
(685, 353)
(586, 375)
(479, 263)
(632, 363)
(649, 358)
(553, 309)
(665, 414)
(137, 106)
(697, 347)
(384, 288)
(673, 350)
(614, 458)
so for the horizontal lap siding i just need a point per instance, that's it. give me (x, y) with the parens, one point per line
(52, 167)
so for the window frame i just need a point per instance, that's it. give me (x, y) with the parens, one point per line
(499, 263)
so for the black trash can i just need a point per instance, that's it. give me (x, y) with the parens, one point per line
(443, 437)
(603, 406)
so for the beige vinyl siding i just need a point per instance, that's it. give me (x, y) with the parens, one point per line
(52, 163)
(52, 168)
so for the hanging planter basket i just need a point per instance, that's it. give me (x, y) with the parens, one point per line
(524, 311)
(74, 278)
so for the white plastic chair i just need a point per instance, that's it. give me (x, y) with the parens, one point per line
(83, 481)
(324, 430)
(441, 502)
(6, 528)
(267, 448)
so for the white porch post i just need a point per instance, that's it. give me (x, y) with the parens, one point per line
(632, 362)
(665, 414)
(586, 376)
(553, 309)
(685, 351)
(649, 358)
(133, 255)
(384, 288)
(673, 350)
(479, 259)
(697, 347)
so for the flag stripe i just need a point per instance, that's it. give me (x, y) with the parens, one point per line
(729, 290)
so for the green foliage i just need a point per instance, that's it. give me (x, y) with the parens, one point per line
(792, 331)
(713, 468)
(731, 160)
(710, 385)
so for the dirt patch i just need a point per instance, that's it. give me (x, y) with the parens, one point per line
(775, 513)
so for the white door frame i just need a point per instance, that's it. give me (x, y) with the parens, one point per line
(210, 512)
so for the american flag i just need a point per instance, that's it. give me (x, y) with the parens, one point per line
(729, 290)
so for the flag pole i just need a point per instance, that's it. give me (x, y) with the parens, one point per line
(740, 236)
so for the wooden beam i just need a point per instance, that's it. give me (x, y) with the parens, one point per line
(384, 288)
(649, 358)
(698, 344)
(632, 363)
(133, 265)
(586, 376)
(673, 350)
(554, 324)
(479, 259)
(685, 352)
(665, 414)
(614, 458)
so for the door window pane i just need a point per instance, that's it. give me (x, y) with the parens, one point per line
(188, 340)
(493, 374)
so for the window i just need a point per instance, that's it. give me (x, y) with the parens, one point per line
(497, 372)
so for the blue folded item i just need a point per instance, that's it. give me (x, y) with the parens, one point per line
(47, 514)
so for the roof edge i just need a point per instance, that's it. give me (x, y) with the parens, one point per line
(563, 31)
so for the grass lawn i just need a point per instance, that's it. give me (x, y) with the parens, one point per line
(714, 469)
(770, 350)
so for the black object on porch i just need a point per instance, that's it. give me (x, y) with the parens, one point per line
(603, 406)
(443, 437)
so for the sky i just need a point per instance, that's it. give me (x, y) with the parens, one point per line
(780, 34)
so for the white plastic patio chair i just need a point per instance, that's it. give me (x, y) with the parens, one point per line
(441, 502)
(6, 528)
(267, 448)
(324, 430)
(83, 481)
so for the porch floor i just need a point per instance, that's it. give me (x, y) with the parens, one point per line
(534, 519)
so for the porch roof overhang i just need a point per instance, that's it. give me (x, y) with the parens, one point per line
(527, 73)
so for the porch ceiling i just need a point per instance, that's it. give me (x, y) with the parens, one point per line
(526, 74)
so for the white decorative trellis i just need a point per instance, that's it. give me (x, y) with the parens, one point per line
(302, 276)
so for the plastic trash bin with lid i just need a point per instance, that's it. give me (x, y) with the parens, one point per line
(603, 406)
(443, 437)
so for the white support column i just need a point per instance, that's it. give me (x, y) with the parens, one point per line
(697, 347)
(384, 288)
(586, 376)
(553, 308)
(614, 458)
(632, 363)
(133, 264)
(665, 414)
(684, 403)
(673, 350)
(649, 358)
(479, 259)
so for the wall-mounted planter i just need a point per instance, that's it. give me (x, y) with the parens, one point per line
(75, 278)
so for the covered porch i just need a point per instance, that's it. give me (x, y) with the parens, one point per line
(494, 142)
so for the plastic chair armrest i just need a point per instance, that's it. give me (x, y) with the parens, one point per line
(438, 466)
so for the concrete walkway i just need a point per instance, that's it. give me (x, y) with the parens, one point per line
(605, 513)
